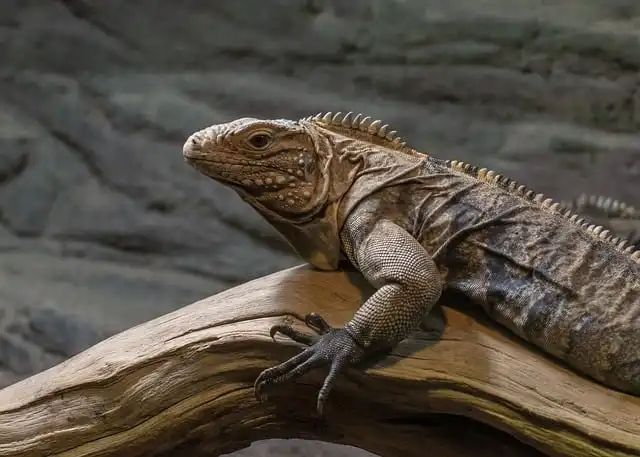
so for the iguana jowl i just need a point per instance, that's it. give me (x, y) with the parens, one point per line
(416, 226)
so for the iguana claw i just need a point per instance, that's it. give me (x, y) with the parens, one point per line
(333, 346)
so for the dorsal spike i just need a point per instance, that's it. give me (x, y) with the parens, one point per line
(363, 123)
(378, 131)
(374, 126)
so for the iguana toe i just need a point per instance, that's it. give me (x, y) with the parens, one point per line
(292, 333)
(334, 347)
(317, 323)
(312, 320)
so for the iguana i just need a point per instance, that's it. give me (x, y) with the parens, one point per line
(416, 226)
(619, 217)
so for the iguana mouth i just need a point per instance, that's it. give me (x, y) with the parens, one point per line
(247, 176)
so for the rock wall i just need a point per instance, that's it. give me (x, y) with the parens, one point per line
(103, 226)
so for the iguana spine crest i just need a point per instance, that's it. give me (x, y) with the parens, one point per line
(361, 124)
(380, 133)
(548, 204)
(612, 207)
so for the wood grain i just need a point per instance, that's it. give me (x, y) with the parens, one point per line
(183, 382)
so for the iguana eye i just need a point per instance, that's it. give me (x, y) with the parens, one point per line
(259, 140)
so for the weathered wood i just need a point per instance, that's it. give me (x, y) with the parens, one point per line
(184, 382)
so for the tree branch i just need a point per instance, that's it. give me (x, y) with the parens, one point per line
(184, 382)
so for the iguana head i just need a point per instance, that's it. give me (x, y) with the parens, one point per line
(294, 172)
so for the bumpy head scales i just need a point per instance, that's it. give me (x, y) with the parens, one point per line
(283, 165)
(270, 163)
(292, 172)
(289, 172)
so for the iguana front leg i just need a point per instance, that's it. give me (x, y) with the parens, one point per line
(408, 286)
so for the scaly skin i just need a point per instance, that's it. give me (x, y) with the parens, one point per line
(416, 227)
(619, 217)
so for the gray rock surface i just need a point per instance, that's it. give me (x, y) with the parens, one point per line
(103, 226)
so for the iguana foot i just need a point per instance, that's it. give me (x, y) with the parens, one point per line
(333, 346)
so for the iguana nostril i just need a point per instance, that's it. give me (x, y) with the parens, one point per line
(192, 147)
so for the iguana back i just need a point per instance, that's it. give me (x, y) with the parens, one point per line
(566, 286)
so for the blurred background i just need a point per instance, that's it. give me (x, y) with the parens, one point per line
(102, 224)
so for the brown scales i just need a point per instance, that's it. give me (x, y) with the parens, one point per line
(360, 127)
(607, 205)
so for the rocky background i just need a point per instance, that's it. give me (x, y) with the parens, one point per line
(103, 226)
